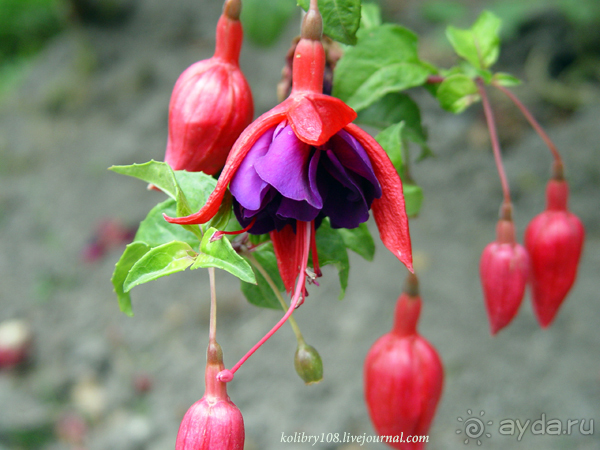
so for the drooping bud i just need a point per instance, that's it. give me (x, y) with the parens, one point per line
(308, 363)
(554, 240)
(213, 422)
(504, 268)
(211, 103)
(403, 375)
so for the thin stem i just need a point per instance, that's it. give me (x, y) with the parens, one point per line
(275, 290)
(534, 123)
(434, 79)
(212, 331)
(489, 117)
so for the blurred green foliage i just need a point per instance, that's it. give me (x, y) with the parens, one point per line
(25, 25)
(513, 13)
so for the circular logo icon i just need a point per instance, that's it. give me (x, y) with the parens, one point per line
(474, 427)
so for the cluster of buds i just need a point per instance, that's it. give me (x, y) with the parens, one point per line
(548, 262)
(403, 375)
(553, 243)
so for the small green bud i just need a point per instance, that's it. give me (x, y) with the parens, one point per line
(308, 364)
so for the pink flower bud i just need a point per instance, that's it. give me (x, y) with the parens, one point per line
(554, 240)
(211, 103)
(504, 268)
(213, 422)
(403, 376)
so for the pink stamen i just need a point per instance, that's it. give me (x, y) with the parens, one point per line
(303, 231)
(313, 249)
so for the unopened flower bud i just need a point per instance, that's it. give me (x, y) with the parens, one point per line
(504, 268)
(554, 240)
(213, 422)
(403, 376)
(308, 363)
(211, 103)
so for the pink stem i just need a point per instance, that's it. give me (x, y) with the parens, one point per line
(301, 227)
(489, 117)
(212, 331)
(434, 79)
(534, 123)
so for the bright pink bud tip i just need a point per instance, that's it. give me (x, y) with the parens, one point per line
(210, 106)
(403, 378)
(213, 422)
(504, 271)
(554, 240)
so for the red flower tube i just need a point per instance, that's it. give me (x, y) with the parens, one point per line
(403, 376)
(211, 103)
(554, 240)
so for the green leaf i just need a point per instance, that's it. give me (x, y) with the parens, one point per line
(220, 254)
(264, 20)
(221, 219)
(394, 108)
(341, 18)
(505, 79)
(132, 254)
(157, 173)
(391, 141)
(159, 262)
(359, 240)
(197, 186)
(413, 198)
(370, 16)
(391, 78)
(261, 294)
(480, 45)
(154, 230)
(457, 92)
(384, 60)
(332, 250)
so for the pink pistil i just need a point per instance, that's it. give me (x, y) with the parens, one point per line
(303, 231)
(220, 233)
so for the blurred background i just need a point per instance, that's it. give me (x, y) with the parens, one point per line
(85, 84)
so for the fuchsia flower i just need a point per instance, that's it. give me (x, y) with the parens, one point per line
(211, 103)
(403, 376)
(303, 161)
(213, 422)
(504, 270)
(554, 240)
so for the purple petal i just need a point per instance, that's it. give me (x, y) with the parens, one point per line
(345, 201)
(286, 168)
(353, 157)
(294, 209)
(246, 186)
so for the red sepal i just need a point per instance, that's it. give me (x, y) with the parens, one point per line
(389, 210)
(315, 118)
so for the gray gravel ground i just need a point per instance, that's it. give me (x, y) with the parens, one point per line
(98, 97)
